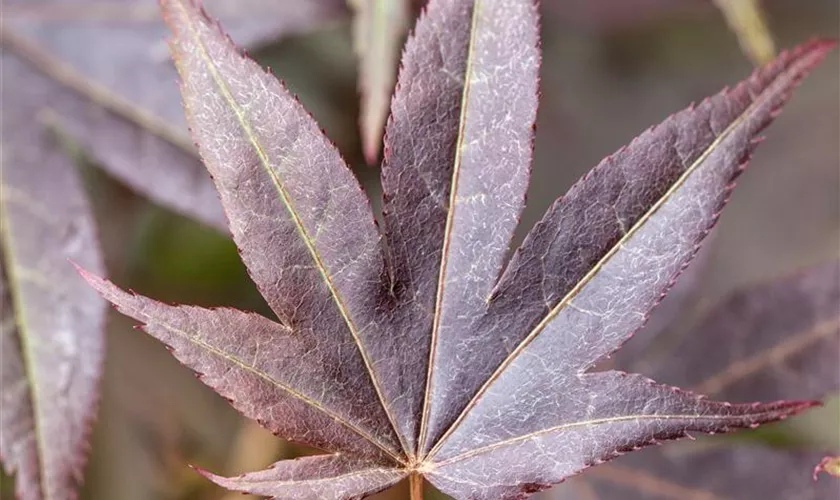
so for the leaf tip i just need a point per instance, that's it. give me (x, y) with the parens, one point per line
(224, 482)
(110, 292)
(93, 280)
(792, 408)
(814, 51)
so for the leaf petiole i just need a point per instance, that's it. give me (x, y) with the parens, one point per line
(415, 482)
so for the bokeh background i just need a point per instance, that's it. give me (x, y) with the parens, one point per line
(610, 70)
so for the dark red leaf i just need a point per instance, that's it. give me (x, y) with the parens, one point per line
(315, 478)
(663, 317)
(605, 253)
(286, 379)
(457, 158)
(420, 356)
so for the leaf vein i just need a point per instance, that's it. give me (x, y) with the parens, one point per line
(572, 425)
(235, 361)
(265, 162)
(450, 218)
(561, 305)
(27, 348)
(297, 482)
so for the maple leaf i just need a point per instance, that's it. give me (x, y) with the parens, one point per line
(664, 316)
(51, 335)
(418, 353)
(119, 96)
(769, 341)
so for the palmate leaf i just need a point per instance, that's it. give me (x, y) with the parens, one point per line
(417, 352)
(51, 335)
(120, 100)
(767, 342)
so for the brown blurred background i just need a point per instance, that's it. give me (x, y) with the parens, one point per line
(610, 70)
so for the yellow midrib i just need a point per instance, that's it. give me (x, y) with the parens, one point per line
(602, 262)
(299, 482)
(266, 164)
(572, 425)
(450, 217)
(137, 313)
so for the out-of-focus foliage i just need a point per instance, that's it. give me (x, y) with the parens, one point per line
(121, 102)
(767, 342)
(749, 23)
(379, 29)
(51, 327)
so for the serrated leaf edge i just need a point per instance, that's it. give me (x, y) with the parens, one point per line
(108, 290)
(791, 407)
(450, 219)
(276, 181)
(566, 300)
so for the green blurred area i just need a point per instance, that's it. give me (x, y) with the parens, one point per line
(600, 88)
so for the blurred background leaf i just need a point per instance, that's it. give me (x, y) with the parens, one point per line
(749, 23)
(379, 29)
